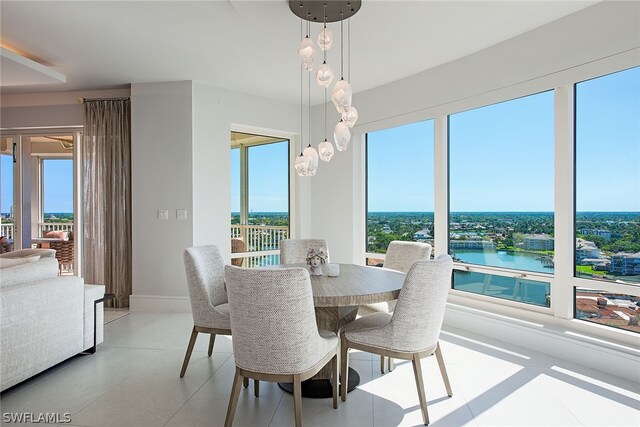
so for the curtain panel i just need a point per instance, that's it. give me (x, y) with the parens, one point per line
(106, 154)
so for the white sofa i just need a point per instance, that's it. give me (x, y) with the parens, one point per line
(44, 318)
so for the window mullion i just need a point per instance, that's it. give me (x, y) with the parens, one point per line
(244, 186)
(441, 182)
(562, 289)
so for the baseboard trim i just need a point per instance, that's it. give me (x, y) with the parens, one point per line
(159, 304)
(612, 358)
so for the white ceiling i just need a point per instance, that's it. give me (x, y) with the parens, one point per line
(250, 46)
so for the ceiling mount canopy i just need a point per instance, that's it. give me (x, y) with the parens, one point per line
(312, 10)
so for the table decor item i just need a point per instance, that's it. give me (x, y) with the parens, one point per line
(316, 256)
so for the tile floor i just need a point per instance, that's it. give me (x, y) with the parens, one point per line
(133, 381)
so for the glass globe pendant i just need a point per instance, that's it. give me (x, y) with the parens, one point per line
(311, 153)
(341, 96)
(302, 165)
(341, 136)
(306, 53)
(350, 117)
(324, 76)
(326, 150)
(325, 39)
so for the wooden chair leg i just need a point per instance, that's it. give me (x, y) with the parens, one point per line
(381, 364)
(245, 382)
(192, 342)
(417, 371)
(344, 371)
(256, 388)
(212, 339)
(297, 399)
(233, 399)
(334, 365)
(443, 370)
(390, 364)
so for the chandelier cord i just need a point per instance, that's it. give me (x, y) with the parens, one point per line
(341, 44)
(309, 109)
(301, 99)
(349, 49)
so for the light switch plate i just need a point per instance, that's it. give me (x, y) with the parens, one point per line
(163, 214)
(181, 214)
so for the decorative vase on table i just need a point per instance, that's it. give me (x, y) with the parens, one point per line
(316, 256)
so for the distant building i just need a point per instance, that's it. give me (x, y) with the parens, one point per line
(625, 264)
(472, 244)
(592, 232)
(586, 249)
(421, 235)
(538, 242)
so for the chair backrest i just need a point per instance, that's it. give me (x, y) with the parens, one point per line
(273, 319)
(402, 255)
(418, 316)
(64, 251)
(294, 251)
(205, 276)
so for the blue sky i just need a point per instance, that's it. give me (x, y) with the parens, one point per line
(268, 178)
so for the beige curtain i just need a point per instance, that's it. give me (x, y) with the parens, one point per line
(106, 233)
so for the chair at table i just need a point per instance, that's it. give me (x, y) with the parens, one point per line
(400, 256)
(209, 306)
(412, 331)
(294, 251)
(238, 245)
(63, 248)
(275, 337)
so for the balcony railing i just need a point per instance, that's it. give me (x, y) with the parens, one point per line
(45, 227)
(6, 230)
(263, 243)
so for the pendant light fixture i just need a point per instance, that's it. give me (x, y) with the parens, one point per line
(324, 12)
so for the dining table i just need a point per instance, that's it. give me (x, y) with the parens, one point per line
(336, 300)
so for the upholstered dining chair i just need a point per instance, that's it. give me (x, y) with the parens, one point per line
(400, 257)
(412, 331)
(205, 277)
(275, 337)
(294, 251)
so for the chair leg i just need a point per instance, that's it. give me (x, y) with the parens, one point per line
(443, 370)
(212, 339)
(233, 399)
(297, 399)
(417, 372)
(334, 365)
(381, 364)
(344, 371)
(390, 363)
(192, 342)
(245, 382)
(256, 388)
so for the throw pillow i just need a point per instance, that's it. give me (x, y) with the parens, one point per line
(11, 262)
(56, 234)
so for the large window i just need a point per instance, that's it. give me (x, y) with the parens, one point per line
(57, 190)
(501, 194)
(399, 186)
(259, 197)
(607, 217)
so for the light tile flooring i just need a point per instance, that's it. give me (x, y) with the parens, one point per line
(133, 381)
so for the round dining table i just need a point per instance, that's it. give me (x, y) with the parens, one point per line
(336, 299)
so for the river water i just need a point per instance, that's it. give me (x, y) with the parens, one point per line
(514, 260)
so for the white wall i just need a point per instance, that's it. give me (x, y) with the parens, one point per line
(595, 41)
(181, 160)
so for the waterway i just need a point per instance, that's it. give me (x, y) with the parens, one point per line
(504, 259)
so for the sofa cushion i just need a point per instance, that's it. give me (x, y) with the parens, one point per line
(23, 253)
(29, 272)
(10, 262)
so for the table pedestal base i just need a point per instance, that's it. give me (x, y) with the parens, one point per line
(321, 389)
